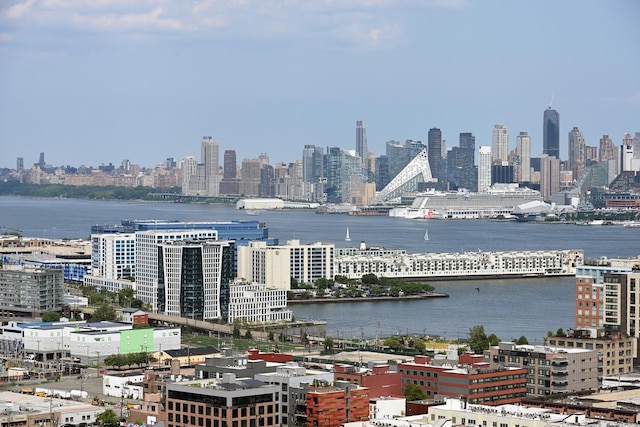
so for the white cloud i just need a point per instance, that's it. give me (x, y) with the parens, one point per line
(366, 24)
(18, 10)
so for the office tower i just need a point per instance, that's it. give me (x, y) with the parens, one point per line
(434, 151)
(502, 174)
(551, 133)
(549, 176)
(500, 144)
(250, 176)
(230, 165)
(343, 171)
(230, 184)
(41, 161)
(577, 152)
(169, 163)
(400, 155)
(608, 151)
(190, 276)
(382, 172)
(19, 163)
(484, 168)
(636, 145)
(361, 140)
(523, 151)
(210, 157)
(267, 187)
(313, 173)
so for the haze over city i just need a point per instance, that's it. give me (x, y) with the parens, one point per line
(93, 82)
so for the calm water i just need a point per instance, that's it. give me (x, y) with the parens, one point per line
(507, 308)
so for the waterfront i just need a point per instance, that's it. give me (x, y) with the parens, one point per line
(508, 308)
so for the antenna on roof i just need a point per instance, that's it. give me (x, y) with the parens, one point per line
(551, 102)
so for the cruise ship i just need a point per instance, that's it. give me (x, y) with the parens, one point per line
(498, 201)
(457, 266)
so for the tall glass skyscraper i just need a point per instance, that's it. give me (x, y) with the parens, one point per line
(434, 151)
(551, 133)
(361, 140)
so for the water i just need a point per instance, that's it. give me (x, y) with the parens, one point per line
(508, 308)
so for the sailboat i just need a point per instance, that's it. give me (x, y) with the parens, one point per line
(426, 234)
(347, 238)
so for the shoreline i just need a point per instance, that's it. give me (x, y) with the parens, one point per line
(367, 299)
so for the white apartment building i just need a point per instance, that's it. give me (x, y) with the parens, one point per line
(146, 250)
(484, 168)
(113, 255)
(275, 265)
(254, 303)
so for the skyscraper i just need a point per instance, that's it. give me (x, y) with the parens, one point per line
(551, 133)
(577, 152)
(484, 168)
(361, 140)
(500, 144)
(434, 151)
(210, 157)
(549, 176)
(523, 150)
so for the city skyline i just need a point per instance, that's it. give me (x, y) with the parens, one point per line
(95, 83)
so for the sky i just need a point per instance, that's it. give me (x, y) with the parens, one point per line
(92, 82)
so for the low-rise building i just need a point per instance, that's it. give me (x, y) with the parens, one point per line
(615, 351)
(550, 370)
(379, 379)
(25, 410)
(227, 401)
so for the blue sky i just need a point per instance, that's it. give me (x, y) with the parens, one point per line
(90, 82)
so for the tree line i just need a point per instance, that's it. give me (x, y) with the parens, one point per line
(108, 192)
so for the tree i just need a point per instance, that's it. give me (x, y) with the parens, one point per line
(478, 340)
(522, 340)
(328, 343)
(248, 335)
(369, 279)
(50, 316)
(493, 340)
(108, 418)
(414, 392)
(236, 331)
(560, 332)
(125, 297)
(104, 312)
(419, 345)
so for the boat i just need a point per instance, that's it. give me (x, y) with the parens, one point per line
(252, 212)
(347, 238)
(426, 234)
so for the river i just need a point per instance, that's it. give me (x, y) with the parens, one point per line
(508, 308)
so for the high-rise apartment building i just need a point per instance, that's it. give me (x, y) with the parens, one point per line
(608, 151)
(484, 168)
(629, 160)
(210, 152)
(113, 255)
(549, 176)
(19, 164)
(523, 150)
(230, 184)
(361, 140)
(551, 133)
(434, 151)
(500, 144)
(313, 173)
(343, 171)
(577, 152)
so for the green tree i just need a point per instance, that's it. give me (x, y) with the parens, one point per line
(522, 340)
(236, 331)
(369, 279)
(560, 332)
(419, 345)
(51, 316)
(413, 392)
(270, 336)
(125, 297)
(248, 335)
(328, 343)
(493, 340)
(478, 340)
(294, 283)
(104, 312)
(108, 418)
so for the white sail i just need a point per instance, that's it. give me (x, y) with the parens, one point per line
(347, 238)
(426, 234)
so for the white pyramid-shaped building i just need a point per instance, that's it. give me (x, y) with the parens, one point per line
(407, 180)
